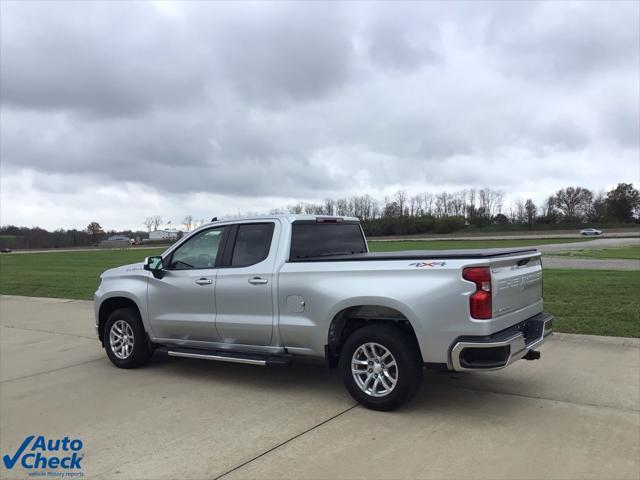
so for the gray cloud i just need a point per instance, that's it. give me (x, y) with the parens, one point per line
(97, 58)
(256, 104)
(285, 53)
(572, 43)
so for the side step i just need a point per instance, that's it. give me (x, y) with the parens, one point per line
(269, 360)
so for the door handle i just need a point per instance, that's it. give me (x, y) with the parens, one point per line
(258, 281)
(204, 281)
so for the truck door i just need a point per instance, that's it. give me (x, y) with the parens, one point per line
(181, 304)
(245, 285)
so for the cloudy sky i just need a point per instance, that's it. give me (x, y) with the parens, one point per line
(117, 111)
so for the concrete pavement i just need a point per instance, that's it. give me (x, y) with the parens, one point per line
(573, 414)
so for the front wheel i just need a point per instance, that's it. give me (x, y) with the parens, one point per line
(125, 339)
(381, 366)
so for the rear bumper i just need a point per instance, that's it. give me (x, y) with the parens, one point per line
(501, 349)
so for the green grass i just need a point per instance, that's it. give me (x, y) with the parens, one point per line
(594, 302)
(62, 274)
(631, 252)
(393, 245)
(597, 302)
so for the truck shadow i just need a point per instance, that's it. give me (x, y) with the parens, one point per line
(443, 392)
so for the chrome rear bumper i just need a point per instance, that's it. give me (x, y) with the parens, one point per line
(500, 349)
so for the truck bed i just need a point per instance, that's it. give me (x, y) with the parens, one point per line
(420, 255)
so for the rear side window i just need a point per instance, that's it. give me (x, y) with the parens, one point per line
(253, 242)
(325, 239)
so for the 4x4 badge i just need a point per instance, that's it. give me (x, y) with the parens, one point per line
(427, 264)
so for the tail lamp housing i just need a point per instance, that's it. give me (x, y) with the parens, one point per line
(480, 306)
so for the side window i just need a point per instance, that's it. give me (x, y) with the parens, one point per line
(199, 251)
(252, 244)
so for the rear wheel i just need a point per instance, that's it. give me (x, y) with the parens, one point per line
(381, 366)
(125, 339)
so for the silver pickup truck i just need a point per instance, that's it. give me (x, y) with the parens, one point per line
(265, 290)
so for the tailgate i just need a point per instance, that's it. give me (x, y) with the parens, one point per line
(517, 282)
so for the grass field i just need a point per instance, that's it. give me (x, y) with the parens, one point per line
(597, 302)
(631, 252)
(594, 302)
(393, 245)
(62, 274)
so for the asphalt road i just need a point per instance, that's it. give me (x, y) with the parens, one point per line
(524, 235)
(551, 261)
(590, 264)
(595, 244)
(573, 414)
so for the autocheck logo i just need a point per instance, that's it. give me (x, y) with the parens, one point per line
(40, 453)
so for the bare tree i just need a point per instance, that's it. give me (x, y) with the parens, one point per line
(427, 199)
(401, 199)
(471, 207)
(530, 211)
(358, 206)
(386, 206)
(412, 206)
(329, 206)
(296, 209)
(491, 201)
(156, 221)
(391, 209)
(188, 222)
(342, 207)
(417, 202)
(499, 201)
(442, 204)
(520, 211)
(457, 203)
(599, 206)
(368, 205)
(148, 222)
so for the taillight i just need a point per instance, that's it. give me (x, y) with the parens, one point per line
(480, 300)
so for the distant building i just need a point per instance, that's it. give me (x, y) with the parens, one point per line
(169, 234)
(116, 241)
(118, 237)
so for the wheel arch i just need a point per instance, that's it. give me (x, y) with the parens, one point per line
(351, 318)
(110, 305)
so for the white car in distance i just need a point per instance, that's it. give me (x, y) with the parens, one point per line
(590, 231)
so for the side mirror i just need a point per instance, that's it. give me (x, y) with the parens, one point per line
(154, 265)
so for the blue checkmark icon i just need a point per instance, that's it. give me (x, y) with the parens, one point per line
(10, 462)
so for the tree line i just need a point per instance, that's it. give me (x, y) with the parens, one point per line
(402, 214)
(12, 236)
(445, 212)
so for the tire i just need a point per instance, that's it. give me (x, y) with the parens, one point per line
(125, 322)
(365, 345)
